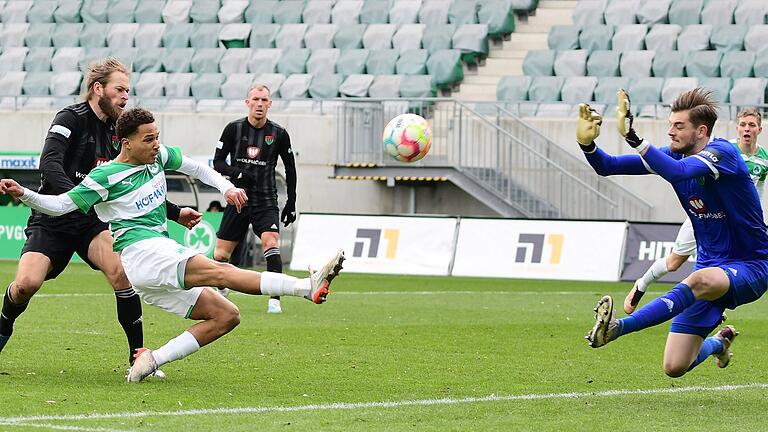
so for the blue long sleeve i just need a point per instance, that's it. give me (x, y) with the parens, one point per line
(605, 164)
(674, 170)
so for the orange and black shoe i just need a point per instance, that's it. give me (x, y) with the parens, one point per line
(320, 280)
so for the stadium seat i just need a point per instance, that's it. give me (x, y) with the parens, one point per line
(291, 36)
(273, 81)
(39, 35)
(374, 12)
(293, 61)
(356, 85)
(669, 64)
(68, 12)
(178, 60)
(720, 86)
(207, 60)
(379, 36)
(37, 84)
(385, 86)
(563, 37)
(15, 11)
(596, 37)
(539, 62)
(346, 12)
(235, 35)
(349, 36)
(381, 62)
(404, 12)
(352, 62)
(94, 55)
(121, 35)
(445, 67)
(673, 87)
(408, 37)
(498, 16)
(177, 11)
(646, 90)
(149, 36)
(236, 85)
(751, 13)
(578, 89)
(605, 91)
(205, 35)
(589, 12)
(472, 40)
(737, 64)
(434, 12)
(653, 12)
(320, 36)
(545, 88)
(317, 12)
(150, 60)
(620, 13)
(264, 35)
(177, 35)
(694, 38)
(296, 86)
(761, 66)
(748, 91)
(570, 63)
(527, 6)
(636, 64)
(718, 13)
(94, 35)
(287, 11)
(125, 55)
(416, 86)
(11, 83)
(728, 37)
(177, 85)
(67, 59)
(412, 62)
(149, 11)
(38, 60)
(685, 12)
(232, 12)
(260, 12)
(41, 12)
(12, 59)
(437, 37)
(701, 64)
(94, 11)
(513, 88)
(756, 38)
(205, 11)
(322, 61)
(264, 60)
(65, 83)
(122, 11)
(325, 87)
(463, 12)
(12, 34)
(662, 37)
(235, 61)
(629, 37)
(207, 85)
(603, 63)
(151, 84)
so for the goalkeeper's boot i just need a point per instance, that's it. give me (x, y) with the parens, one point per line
(143, 367)
(632, 299)
(606, 326)
(321, 280)
(726, 335)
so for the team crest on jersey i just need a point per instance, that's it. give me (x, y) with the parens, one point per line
(697, 204)
(153, 168)
(252, 152)
(269, 139)
(115, 141)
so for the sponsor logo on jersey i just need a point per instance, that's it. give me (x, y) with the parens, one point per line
(697, 204)
(269, 139)
(252, 152)
(156, 195)
(100, 161)
(252, 162)
(712, 154)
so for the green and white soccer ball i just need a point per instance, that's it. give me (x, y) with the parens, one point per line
(407, 137)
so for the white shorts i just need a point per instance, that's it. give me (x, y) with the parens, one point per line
(685, 243)
(155, 267)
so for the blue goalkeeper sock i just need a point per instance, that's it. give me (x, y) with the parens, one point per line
(711, 345)
(659, 310)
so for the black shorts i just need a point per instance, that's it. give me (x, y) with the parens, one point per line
(59, 246)
(234, 225)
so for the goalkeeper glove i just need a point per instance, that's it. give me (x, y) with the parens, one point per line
(624, 120)
(587, 127)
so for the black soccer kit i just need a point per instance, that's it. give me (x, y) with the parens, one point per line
(253, 153)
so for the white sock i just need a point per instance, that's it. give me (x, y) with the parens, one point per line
(657, 271)
(278, 284)
(176, 348)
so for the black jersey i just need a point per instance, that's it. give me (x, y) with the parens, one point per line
(253, 153)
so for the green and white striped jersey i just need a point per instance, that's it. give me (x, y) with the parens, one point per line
(130, 197)
(757, 163)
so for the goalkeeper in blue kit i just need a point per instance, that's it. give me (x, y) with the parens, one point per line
(714, 187)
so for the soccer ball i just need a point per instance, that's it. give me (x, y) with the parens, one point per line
(407, 137)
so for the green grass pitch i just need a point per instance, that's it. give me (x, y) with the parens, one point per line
(385, 353)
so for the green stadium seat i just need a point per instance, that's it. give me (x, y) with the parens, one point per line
(273, 81)
(325, 86)
(12, 59)
(293, 61)
(177, 11)
(545, 89)
(602, 63)
(235, 61)
(207, 85)
(498, 16)
(320, 36)
(122, 11)
(408, 37)
(150, 36)
(352, 62)
(662, 37)
(605, 91)
(177, 35)
(472, 40)
(385, 86)
(67, 59)
(728, 37)
(737, 64)
(15, 11)
(513, 88)
(636, 64)
(629, 37)
(264, 60)
(178, 60)
(412, 62)
(375, 12)
(296, 86)
(260, 12)
(563, 37)
(434, 12)
(685, 12)
(11, 83)
(151, 84)
(65, 83)
(206, 60)
(669, 64)
(205, 35)
(379, 36)
(349, 36)
(417, 86)
(718, 13)
(287, 11)
(404, 12)
(702, 64)
(694, 38)
(150, 60)
(149, 11)
(748, 91)
(235, 35)
(619, 13)
(121, 35)
(646, 90)
(570, 63)
(673, 87)
(382, 62)
(437, 37)
(126, 55)
(322, 61)
(539, 62)
(38, 60)
(596, 37)
(37, 84)
(653, 12)
(41, 12)
(527, 6)
(94, 35)
(445, 67)
(94, 11)
(39, 35)
(205, 11)
(236, 85)
(756, 38)
(93, 55)
(178, 85)
(751, 13)
(720, 86)
(291, 36)
(317, 12)
(232, 12)
(13, 34)
(761, 66)
(589, 12)
(346, 12)
(578, 89)
(356, 85)
(463, 12)
(68, 12)
(264, 35)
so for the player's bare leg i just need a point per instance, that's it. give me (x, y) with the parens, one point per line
(222, 253)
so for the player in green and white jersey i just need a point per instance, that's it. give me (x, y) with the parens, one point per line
(748, 127)
(129, 193)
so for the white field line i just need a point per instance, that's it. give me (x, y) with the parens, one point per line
(406, 293)
(384, 404)
(49, 426)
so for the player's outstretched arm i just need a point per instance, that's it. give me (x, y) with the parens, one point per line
(53, 205)
(587, 130)
(207, 175)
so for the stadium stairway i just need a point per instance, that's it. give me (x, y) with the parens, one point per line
(506, 57)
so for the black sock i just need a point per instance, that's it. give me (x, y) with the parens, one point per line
(274, 262)
(10, 312)
(129, 316)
